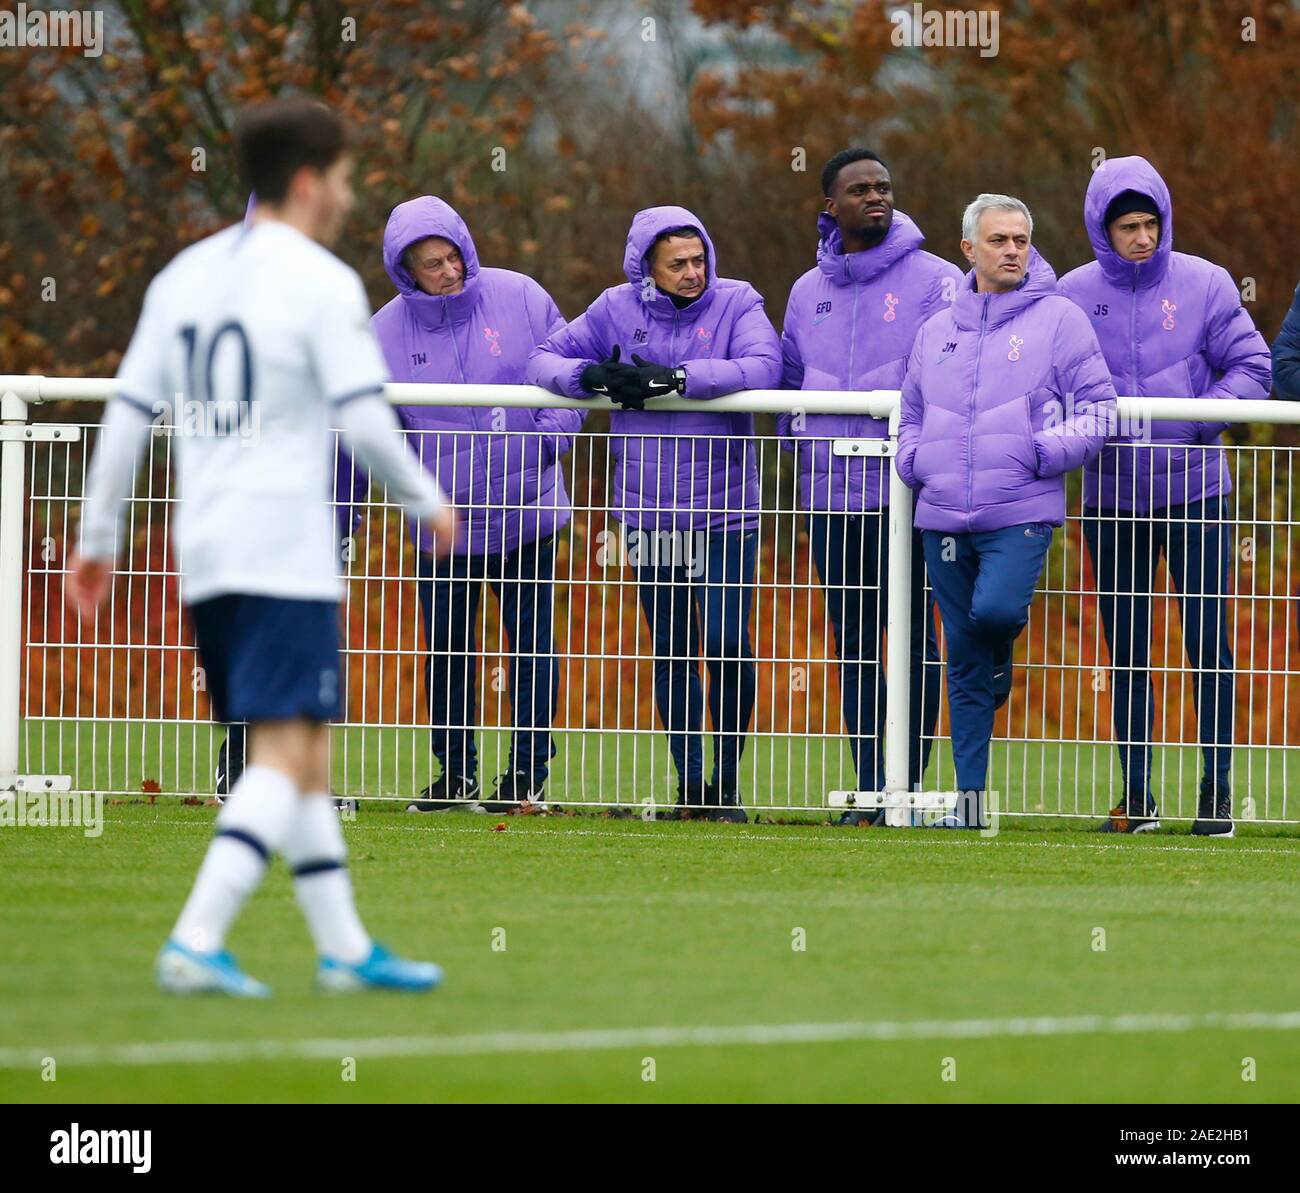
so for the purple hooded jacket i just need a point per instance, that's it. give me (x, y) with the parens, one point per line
(988, 428)
(499, 466)
(849, 324)
(675, 469)
(1173, 327)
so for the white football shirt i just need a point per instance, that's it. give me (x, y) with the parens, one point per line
(248, 343)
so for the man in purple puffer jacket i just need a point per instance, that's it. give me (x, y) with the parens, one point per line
(1005, 392)
(1171, 325)
(849, 324)
(453, 321)
(685, 482)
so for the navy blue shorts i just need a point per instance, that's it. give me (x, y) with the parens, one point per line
(269, 658)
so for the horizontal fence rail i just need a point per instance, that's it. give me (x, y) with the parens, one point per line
(751, 614)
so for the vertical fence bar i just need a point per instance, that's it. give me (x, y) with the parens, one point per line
(13, 415)
(898, 623)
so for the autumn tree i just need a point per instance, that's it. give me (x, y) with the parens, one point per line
(110, 165)
(1210, 94)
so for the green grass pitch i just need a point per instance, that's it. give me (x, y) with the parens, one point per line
(623, 938)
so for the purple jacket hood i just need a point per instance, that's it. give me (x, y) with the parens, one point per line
(416, 220)
(844, 268)
(1113, 177)
(646, 226)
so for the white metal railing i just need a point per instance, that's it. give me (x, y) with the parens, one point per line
(382, 755)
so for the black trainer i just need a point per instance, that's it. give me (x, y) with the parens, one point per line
(1132, 816)
(691, 798)
(1214, 815)
(723, 805)
(1002, 678)
(446, 794)
(230, 761)
(513, 790)
(861, 818)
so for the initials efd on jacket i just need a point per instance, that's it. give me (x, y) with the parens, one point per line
(849, 325)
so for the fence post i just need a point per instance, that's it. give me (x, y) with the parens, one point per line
(898, 624)
(13, 456)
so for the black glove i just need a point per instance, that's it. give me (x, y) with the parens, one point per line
(630, 397)
(654, 380)
(610, 378)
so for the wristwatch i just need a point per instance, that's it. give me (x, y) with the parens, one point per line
(679, 376)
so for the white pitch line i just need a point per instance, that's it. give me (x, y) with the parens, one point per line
(925, 838)
(608, 1040)
(799, 835)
